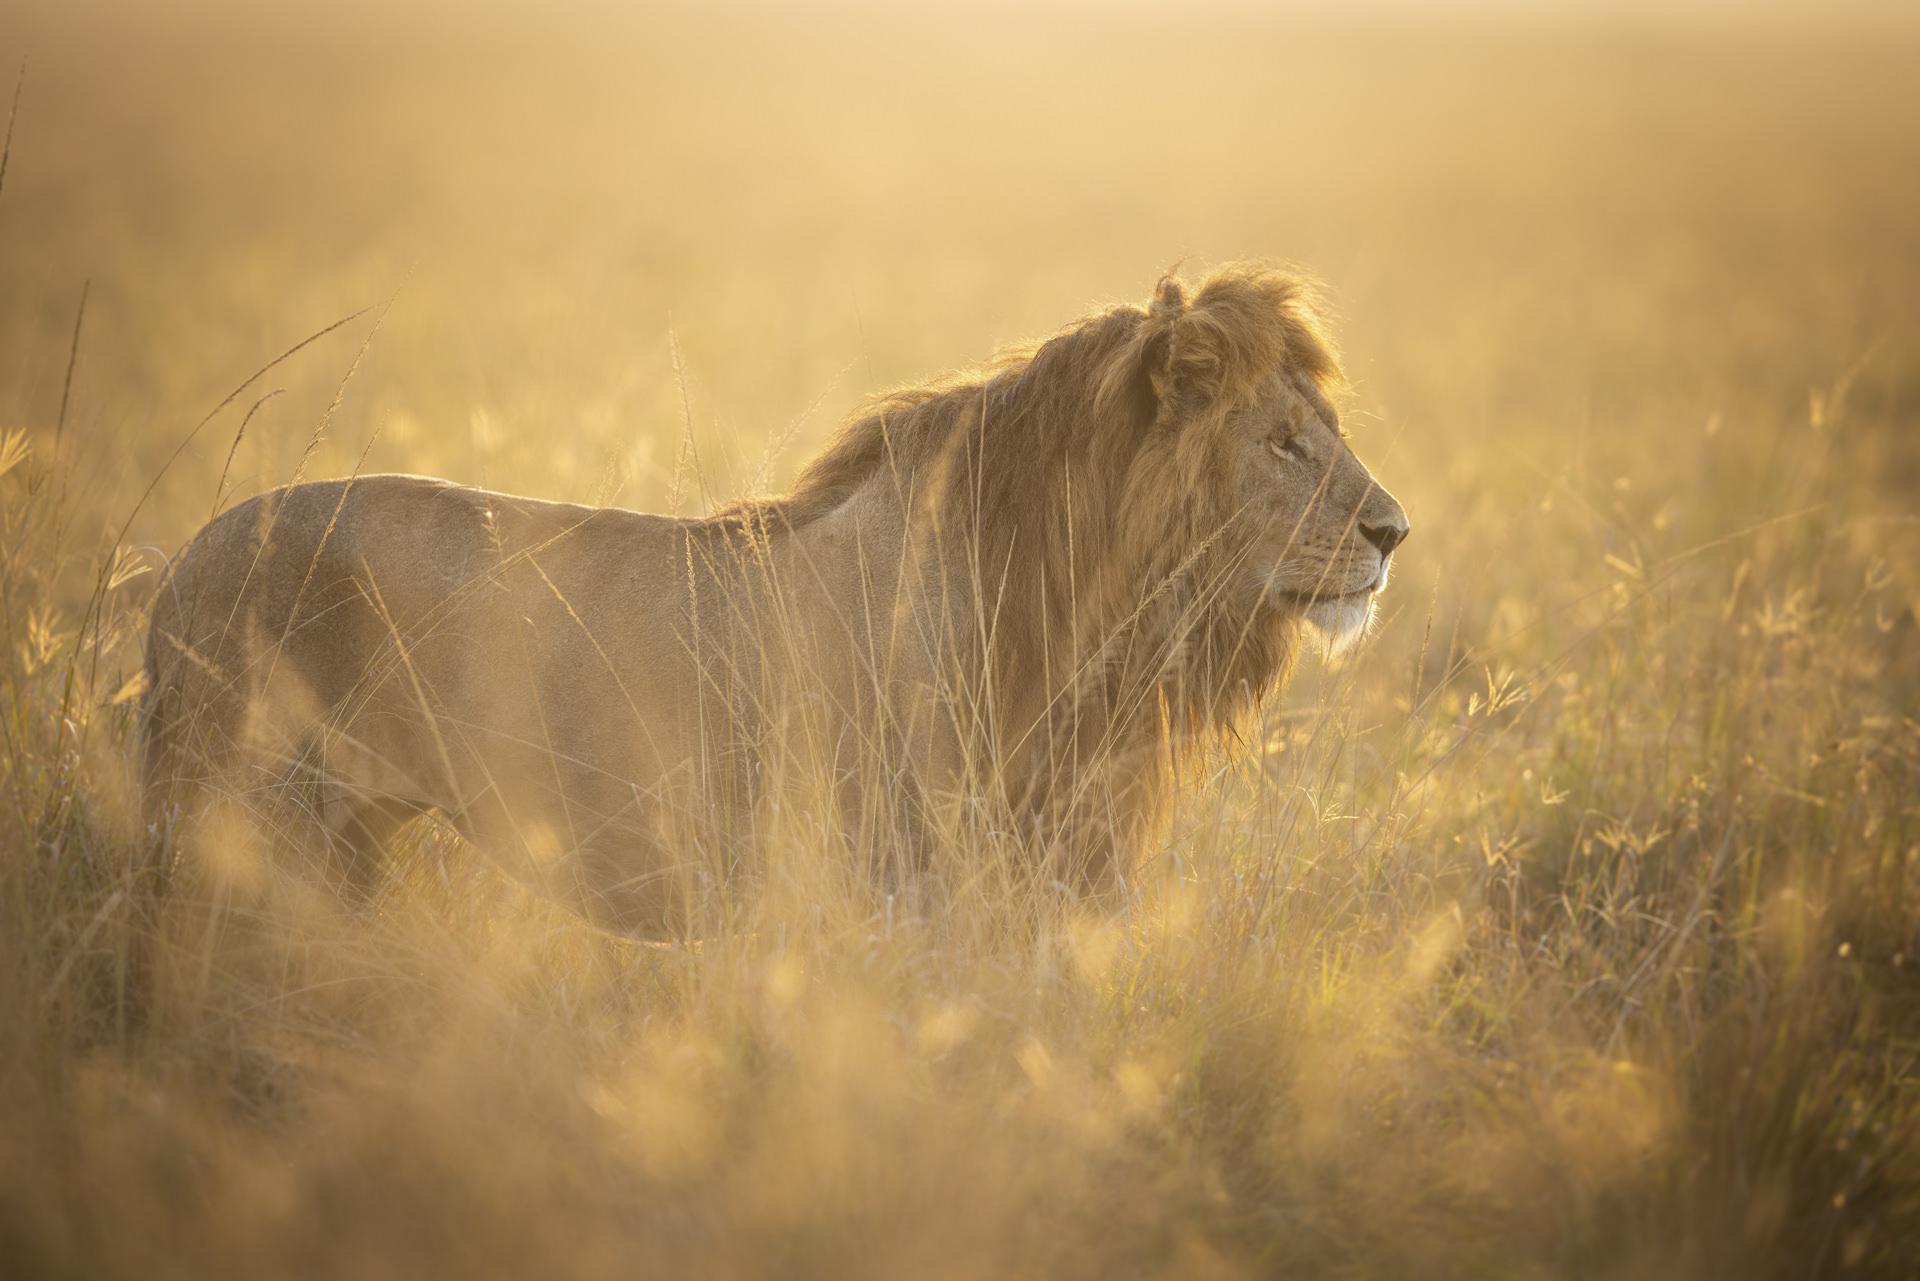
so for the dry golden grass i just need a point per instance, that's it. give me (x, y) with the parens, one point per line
(1570, 928)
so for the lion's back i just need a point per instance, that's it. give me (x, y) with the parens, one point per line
(386, 600)
(274, 567)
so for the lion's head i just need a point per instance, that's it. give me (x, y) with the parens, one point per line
(1244, 449)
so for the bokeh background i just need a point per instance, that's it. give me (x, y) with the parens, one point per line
(1567, 929)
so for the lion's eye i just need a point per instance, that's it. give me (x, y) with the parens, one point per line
(1288, 447)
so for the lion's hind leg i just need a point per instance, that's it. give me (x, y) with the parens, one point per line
(349, 799)
(358, 831)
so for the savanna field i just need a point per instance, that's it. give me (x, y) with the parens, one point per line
(1568, 926)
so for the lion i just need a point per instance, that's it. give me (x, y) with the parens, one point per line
(1016, 598)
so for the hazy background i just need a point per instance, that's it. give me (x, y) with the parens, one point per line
(1566, 929)
(1517, 216)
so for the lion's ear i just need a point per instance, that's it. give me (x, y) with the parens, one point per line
(1189, 357)
(1171, 371)
(1181, 357)
(1169, 299)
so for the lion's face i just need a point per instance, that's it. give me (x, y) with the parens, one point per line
(1321, 531)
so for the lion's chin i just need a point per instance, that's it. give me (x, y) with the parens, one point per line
(1340, 621)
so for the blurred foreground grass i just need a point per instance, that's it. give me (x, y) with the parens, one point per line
(1568, 929)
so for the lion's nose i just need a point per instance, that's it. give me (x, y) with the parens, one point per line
(1385, 537)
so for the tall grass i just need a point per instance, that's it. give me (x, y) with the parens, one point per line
(1569, 927)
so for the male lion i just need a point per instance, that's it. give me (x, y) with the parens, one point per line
(1007, 600)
